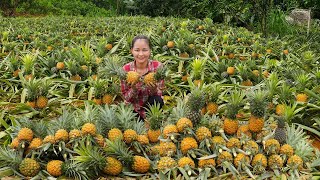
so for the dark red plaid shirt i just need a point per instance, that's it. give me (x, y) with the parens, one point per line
(138, 97)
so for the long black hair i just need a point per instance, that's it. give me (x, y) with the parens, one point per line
(146, 38)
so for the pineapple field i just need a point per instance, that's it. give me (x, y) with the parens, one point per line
(237, 105)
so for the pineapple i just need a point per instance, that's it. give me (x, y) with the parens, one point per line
(129, 136)
(275, 161)
(230, 123)
(280, 109)
(35, 143)
(166, 163)
(154, 117)
(188, 143)
(89, 129)
(49, 139)
(25, 134)
(183, 123)
(167, 148)
(302, 97)
(115, 134)
(251, 147)
(272, 146)
(74, 69)
(15, 143)
(153, 77)
(28, 63)
(258, 105)
(259, 163)
(241, 160)
(286, 150)
(233, 143)
(203, 133)
(107, 99)
(54, 168)
(169, 129)
(280, 132)
(202, 163)
(295, 162)
(138, 164)
(99, 139)
(29, 167)
(243, 130)
(224, 156)
(61, 135)
(60, 65)
(75, 133)
(113, 166)
(214, 91)
(42, 102)
(186, 161)
(195, 103)
(143, 139)
(218, 141)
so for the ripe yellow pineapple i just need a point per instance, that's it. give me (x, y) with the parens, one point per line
(286, 150)
(29, 167)
(258, 105)
(251, 147)
(143, 139)
(31, 104)
(184, 123)
(61, 135)
(230, 123)
(280, 109)
(295, 162)
(15, 143)
(35, 143)
(132, 77)
(167, 148)
(89, 128)
(275, 161)
(42, 102)
(168, 129)
(115, 134)
(153, 77)
(259, 163)
(241, 160)
(272, 146)
(203, 133)
(25, 134)
(243, 130)
(75, 133)
(233, 143)
(212, 108)
(129, 136)
(99, 140)
(187, 144)
(49, 139)
(60, 65)
(202, 163)
(140, 164)
(218, 141)
(97, 101)
(107, 99)
(54, 168)
(302, 97)
(154, 118)
(186, 161)
(166, 163)
(224, 156)
(113, 166)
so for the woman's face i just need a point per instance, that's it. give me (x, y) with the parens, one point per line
(141, 51)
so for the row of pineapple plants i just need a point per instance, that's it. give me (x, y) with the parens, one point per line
(100, 141)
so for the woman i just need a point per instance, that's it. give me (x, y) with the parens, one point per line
(141, 95)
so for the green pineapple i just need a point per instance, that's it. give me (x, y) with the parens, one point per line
(195, 103)
(280, 132)
(197, 71)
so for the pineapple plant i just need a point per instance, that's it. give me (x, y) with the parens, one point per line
(184, 123)
(213, 93)
(224, 156)
(286, 150)
(153, 77)
(137, 163)
(272, 146)
(61, 135)
(241, 160)
(186, 161)
(115, 134)
(73, 68)
(54, 168)
(218, 142)
(25, 134)
(258, 103)
(259, 163)
(295, 162)
(169, 130)
(203, 133)
(75, 133)
(197, 71)
(113, 167)
(195, 103)
(28, 63)
(243, 131)
(154, 117)
(230, 123)
(166, 148)
(251, 147)
(89, 129)
(43, 90)
(275, 161)
(29, 167)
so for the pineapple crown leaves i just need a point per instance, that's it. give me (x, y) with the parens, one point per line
(28, 61)
(139, 127)
(90, 157)
(285, 93)
(32, 86)
(281, 122)
(272, 84)
(65, 121)
(214, 90)
(118, 148)
(197, 68)
(235, 102)
(180, 110)
(90, 114)
(10, 158)
(100, 86)
(73, 67)
(125, 115)
(197, 98)
(154, 115)
(106, 120)
(87, 53)
(291, 112)
(244, 71)
(302, 81)
(258, 102)
(113, 67)
(161, 73)
(72, 169)
(13, 62)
